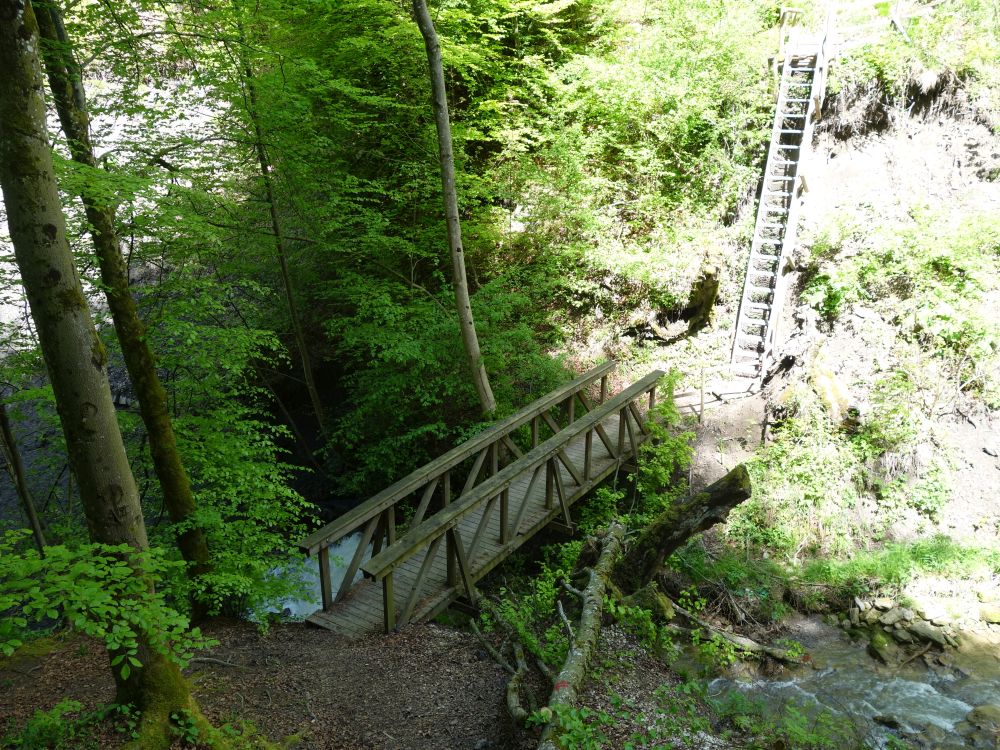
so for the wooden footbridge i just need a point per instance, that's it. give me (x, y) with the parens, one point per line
(440, 529)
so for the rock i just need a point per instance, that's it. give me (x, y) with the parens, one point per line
(881, 648)
(887, 721)
(862, 605)
(990, 612)
(902, 636)
(883, 603)
(984, 717)
(854, 614)
(891, 617)
(871, 616)
(650, 598)
(927, 632)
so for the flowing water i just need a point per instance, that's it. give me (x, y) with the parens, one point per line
(307, 571)
(930, 703)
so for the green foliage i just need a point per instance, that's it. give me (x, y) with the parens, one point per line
(184, 727)
(529, 609)
(805, 485)
(892, 567)
(66, 726)
(48, 729)
(575, 728)
(757, 584)
(103, 591)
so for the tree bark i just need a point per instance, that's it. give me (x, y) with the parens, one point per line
(20, 478)
(74, 356)
(68, 93)
(673, 527)
(440, 97)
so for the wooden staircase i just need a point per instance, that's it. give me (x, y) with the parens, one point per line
(800, 98)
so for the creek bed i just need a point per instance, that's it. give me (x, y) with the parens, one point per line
(926, 704)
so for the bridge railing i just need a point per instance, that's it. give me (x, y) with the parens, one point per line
(462, 468)
(492, 497)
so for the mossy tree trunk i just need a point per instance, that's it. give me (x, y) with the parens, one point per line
(470, 340)
(676, 525)
(70, 100)
(73, 353)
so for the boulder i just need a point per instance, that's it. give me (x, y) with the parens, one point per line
(990, 613)
(891, 617)
(927, 632)
(902, 636)
(984, 717)
(883, 603)
(650, 598)
(871, 616)
(855, 616)
(883, 649)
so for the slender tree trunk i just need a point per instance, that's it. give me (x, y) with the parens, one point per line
(67, 89)
(479, 377)
(264, 159)
(74, 356)
(17, 473)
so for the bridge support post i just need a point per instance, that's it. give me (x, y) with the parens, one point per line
(449, 544)
(324, 578)
(388, 604)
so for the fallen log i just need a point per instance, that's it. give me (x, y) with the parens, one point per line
(747, 645)
(574, 670)
(676, 525)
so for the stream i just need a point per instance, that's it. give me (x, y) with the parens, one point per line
(927, 704)
(307, 571)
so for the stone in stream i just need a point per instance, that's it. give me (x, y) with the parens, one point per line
(883, 649)
(855, 616)
(984, 717)
(871, 616)
(902, 636)
(883, 603)
(927, 632)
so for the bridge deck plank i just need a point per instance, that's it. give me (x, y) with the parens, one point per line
(360, 613)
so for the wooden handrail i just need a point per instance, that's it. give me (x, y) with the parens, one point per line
(390, 558)
(413, 481)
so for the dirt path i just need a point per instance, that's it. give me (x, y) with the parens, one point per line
(427, 688)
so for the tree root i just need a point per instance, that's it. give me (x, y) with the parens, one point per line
(488, 647)
(574, 669)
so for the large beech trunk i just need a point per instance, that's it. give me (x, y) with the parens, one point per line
(74, 356)
(676, 524)
(469, 338)
(70, 101)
